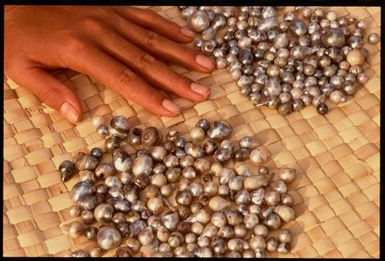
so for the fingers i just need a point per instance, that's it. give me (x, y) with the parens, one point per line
(154, 22)
(118, 77)
(162, 47)
(52, 92)
(154, 71)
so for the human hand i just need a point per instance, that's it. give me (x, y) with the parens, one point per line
(116, 46)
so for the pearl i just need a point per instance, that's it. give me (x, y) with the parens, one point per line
(322, 108)
(333, 38)
(373, 38)
(355, 57)
(66, 169)
(298, 27)
(331, 16)
(337, 97)
(108, 237)
(199, 21)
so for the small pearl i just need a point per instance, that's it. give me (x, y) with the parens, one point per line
(373, 38)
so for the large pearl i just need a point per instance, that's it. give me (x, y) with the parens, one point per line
(333, 37)
(142, 165)
(108, 237)
(355, 57)
(199, 21)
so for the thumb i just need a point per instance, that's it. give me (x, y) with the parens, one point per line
(52, 92)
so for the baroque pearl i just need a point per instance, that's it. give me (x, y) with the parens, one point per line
(199, 21)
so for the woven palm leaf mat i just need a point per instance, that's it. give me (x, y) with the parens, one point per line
(337, 157)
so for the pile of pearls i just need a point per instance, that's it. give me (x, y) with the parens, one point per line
(284, 62)
(143, 195)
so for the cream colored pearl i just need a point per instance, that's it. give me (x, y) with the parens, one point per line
(355, 57)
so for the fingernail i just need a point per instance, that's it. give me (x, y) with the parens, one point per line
(187, 32)
(170, 106)
(204, 62)
(69, 112)
(199, 88)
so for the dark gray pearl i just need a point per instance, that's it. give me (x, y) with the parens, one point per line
(97, 152)
(66, 170)
(322, 109)
(81, 189)
(355, 42)
(245, 56)
(327, 88)
(204, 124)
(120, 123)
(102, 130)
(298, 27)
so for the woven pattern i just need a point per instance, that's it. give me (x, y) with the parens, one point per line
(337, 156)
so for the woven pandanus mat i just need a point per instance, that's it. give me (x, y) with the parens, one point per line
(337, 157)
